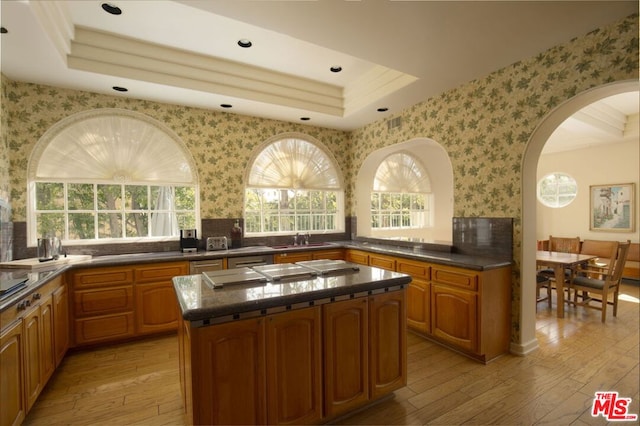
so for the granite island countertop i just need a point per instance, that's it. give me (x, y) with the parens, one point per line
(201, 304)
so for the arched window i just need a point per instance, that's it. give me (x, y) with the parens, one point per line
(293, 186)
(401, 195)
(111, 175)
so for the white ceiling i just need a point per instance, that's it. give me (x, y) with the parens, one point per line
(394, 54)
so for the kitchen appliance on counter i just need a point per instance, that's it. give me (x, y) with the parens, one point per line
(189, 240)
(49, 249)
(216, 243)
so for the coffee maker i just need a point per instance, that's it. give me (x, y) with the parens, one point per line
(188, 240)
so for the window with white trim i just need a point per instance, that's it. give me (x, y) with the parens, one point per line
(557, 190)
(401, 195)
(111, 176)
(293, 186)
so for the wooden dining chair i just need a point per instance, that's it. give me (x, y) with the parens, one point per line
(543, 283)
(564, 245)
(602, 281)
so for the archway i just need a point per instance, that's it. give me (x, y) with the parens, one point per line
(539, 137)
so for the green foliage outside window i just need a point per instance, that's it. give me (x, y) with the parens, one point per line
(290, 210)
(88, 211)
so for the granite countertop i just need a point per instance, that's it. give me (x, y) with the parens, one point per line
(40, 277)
(202, 304)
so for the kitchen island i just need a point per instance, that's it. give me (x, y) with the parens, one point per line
(291, 351)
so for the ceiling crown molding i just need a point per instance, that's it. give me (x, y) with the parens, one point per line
(55, 18)
(111, 54)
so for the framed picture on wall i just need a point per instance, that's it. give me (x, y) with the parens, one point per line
(612, 207)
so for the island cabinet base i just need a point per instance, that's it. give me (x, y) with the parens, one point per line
(304, 366)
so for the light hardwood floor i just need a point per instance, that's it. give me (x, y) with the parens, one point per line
(137, 383)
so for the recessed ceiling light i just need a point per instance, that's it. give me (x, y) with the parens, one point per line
(243, 42)
(3, 30)
(305, 118)
(226, 105)
(336, 68)
(384, 109)
(109, 8)
(120, 89)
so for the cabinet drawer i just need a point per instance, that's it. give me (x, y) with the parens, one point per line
(383, 262)
(101, 277)
(103, 301)
(160, 272)
(455, 277)
(104, 328)
(415, 269)
(357, 256)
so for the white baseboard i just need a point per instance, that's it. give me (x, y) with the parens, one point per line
(525, 349)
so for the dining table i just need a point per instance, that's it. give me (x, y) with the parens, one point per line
(559, 261)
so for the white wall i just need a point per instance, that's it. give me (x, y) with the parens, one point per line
(609, 164)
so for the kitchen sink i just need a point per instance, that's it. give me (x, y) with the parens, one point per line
(299, 246)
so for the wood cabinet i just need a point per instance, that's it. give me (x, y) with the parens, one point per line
(346, 346)
(418, 294)
(387, 343)
(471, 310)
(28, 349)
(14, 408)
(102, 304)
(61, 323)
(382, 261)
(156, 304)
(299, 256)
(120, 302)
(292, 257)
(47, 339)
(294, 367)
(229, 380)
(303, 366)
(453, 316)
(357, 256)
(333, 254)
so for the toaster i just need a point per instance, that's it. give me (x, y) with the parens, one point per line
(216, 243)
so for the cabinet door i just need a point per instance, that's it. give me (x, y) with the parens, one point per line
(230, 384)
(387, 343)
(454, 316)
(60, 323)
(33, 356)
(48, 356)
(346, 347)
(418, 309)
(156, 308)
(13, 409)
(294, 367)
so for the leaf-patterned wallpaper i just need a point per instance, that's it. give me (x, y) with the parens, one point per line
(484, 125)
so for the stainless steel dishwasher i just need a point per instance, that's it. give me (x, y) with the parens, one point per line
(199, 266)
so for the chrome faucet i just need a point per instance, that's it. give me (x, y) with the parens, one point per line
(307, 236)
(295, 239)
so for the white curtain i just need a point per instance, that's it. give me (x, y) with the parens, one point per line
(164, 222)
